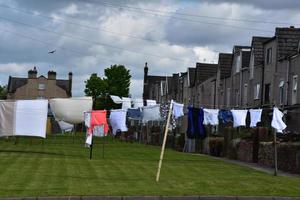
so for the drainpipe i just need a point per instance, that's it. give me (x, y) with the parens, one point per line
(287, 81)
(262, 84)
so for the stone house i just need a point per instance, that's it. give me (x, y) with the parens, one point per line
(39, 87)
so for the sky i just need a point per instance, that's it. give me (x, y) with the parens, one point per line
(91, 35)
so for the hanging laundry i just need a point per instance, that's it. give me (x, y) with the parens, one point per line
(211, 117)
(98, 118)
(190, 130)
(134, 113)
(151, 113)
(225, 116)
(126, 103)
(255, 116)
(277, 122)
(117, 120)
(7, 116)
(239, 117)
(88, 141)
(196, 128)
(200, 125)
(116, 99)
(87, 119)
(99, 131)
(150, 102)
(65, 127)
(31, 118)
(177, 110)
(71, 110)
(138, 103)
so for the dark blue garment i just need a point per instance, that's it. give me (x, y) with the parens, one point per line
(196, 128)
(134, 113)
(200, 126)
(190, 130)
(225, 116)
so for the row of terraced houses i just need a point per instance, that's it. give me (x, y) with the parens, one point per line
(264, 74)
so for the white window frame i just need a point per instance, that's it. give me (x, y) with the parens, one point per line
(294, 89)
(281, 92)
(256, 91)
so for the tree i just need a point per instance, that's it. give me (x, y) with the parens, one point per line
(3, 92)
(95, 87)
(115, 82)
(118, 80)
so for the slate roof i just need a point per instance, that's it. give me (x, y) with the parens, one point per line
(65, 85)
(225, 64)
(257, 49)
(288, 39)
(191, 74)
(204, 71)
(246, 59)
(14, 83)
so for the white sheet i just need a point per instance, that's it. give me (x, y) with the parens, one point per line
(138, 103)
(65, 127)
(151, 102)
(71, 110)
(116, 99)
(31, 118)
(126, 103)
(151, 113)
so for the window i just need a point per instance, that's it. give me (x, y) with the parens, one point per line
(281, 92)
(42, 86)
(269, 55)
(256, 91)
(294, 89)
(267, 93)
(245, 96)
(228, 97)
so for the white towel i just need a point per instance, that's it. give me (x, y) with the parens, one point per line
(239, 117)
(211, 117)
(118, 120)
(177, 110)
(255, 116)
(277, 122)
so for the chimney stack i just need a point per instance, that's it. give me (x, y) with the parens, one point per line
(32, 73)
(51, 75)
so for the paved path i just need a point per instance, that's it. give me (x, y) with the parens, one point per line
(257, 167)
(157, 198)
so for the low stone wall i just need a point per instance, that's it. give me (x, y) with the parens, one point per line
(245, 151)
(288, 155)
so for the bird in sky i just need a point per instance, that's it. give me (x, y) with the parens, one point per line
(52, 51)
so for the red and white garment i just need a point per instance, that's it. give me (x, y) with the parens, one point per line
(93, 120)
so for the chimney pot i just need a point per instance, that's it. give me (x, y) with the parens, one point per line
(32, 73)
(51, 75)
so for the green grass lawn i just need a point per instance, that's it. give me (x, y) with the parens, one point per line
(57, 167)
